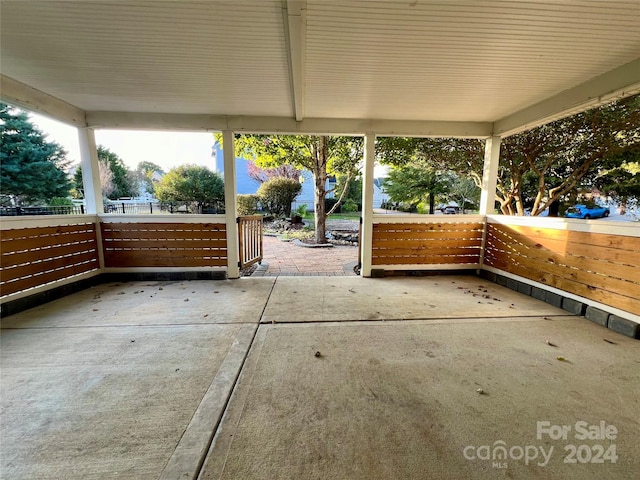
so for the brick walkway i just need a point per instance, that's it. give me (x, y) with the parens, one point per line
(286, 258)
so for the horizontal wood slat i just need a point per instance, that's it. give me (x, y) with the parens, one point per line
(427, 260)
(21, 244)
(426, 243)
(427, 227)
(422, 244)
(32, 257)
(600, 267)
(169, 244)
(53, 231)
(158, 258)
(49, 277)
(47, 264)
(17, 258)
(542, 265)
(619, 242)
(428, 251)
(164, 244)
(164, 227)
(622, 302)
(131, 234)
(627, 251)
(425, 235)
(556, 255)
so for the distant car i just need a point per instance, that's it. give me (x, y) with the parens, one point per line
(582, 211)
(449, 211)
(110, 208)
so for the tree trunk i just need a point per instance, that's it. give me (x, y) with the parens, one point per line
(320, 154)
(342, 195)
(554, 208)
(432, 203)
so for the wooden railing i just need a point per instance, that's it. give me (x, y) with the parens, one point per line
(156, 244)
(595, 265)
(40, 255)
(250, 240)
(595, 260)
(425, 242)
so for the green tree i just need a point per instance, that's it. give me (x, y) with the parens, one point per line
(116, 180)
(321, 155)
(145, 174)
(464, 191)
(247, 204)
(277, 194)
(32, 169)
(191, 184)
(539, 166)
(620, 177)
(123, 179)
(415, 183)
(353, 191)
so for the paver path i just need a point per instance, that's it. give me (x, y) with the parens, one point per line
(286, 258)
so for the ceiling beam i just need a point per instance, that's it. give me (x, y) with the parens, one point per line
(24, 96)
(294, 13)
(287, 125)
(618, 83)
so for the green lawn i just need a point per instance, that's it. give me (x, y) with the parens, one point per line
(337, 216)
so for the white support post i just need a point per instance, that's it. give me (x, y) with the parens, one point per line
(228, 150)
(366, 234)
(490, 175)
(90, 171)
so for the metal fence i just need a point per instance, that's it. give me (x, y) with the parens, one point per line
(126, 207)
(42, 210)
(132, 207)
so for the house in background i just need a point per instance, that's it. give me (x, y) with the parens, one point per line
(245, 185)
(143, 194)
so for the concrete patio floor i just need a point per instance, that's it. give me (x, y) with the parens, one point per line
(313, 378)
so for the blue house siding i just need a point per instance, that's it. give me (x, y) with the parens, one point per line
(247, 185)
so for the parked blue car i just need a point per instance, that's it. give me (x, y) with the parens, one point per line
(582, 211)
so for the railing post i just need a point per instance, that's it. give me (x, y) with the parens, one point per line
(490, 175)
(228, 148)
(366, 236)
(90, 171)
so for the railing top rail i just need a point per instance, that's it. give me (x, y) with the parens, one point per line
(10, 223)
(168, 218)
(609, 227)
(426, 218)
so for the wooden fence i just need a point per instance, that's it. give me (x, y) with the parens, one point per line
(597, 266)
(591, 260)
(427, 243)
(146, 244)
(36, 256)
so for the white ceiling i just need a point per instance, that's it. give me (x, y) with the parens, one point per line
(495, 66)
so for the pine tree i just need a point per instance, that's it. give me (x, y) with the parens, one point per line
(32, 169)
